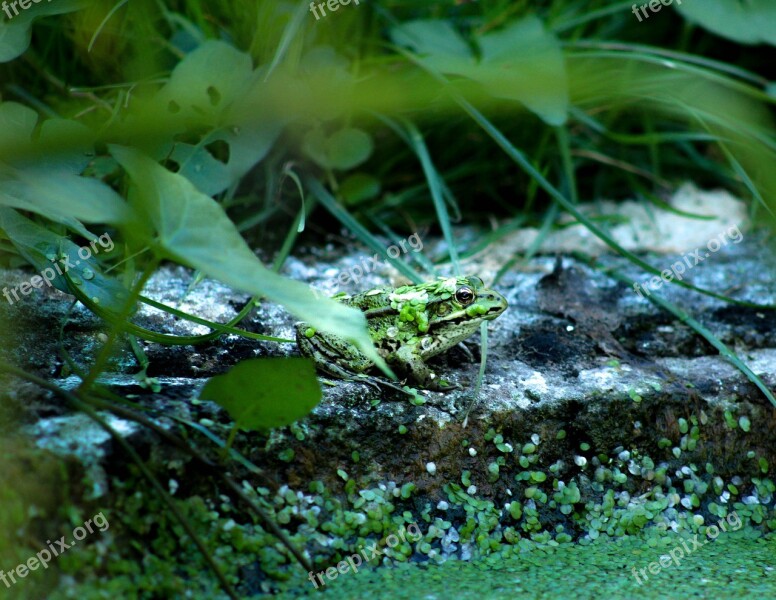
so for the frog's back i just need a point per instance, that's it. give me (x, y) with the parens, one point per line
(369, 300)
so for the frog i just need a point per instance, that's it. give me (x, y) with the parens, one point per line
(408, 325)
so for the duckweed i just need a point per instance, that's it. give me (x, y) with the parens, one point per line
(552, 506)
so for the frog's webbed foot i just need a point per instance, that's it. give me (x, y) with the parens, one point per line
(378, 382)
(420, 373)
(361, 378)
(335, 370)
(466, 350)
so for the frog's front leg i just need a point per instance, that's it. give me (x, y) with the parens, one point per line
(408, 358)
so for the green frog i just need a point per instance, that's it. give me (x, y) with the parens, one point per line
(408, 326)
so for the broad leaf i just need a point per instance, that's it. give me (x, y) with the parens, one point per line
(201, 168)
(265, 393)
(344, 149)
(209, 92)
(68, 200)
(522, 61)
(50, 184)
(16, 33)
(42, 248)
(749, 22)
(433, 39)
(193, 229)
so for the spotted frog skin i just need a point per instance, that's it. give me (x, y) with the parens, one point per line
(408, 326)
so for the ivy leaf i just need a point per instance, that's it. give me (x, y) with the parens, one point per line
(750, 22)
(16, 33)
(41, 247)
(344, 149)
(212, 89)
(265, 393)
(523, 61)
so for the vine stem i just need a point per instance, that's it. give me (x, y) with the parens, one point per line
(105, 352)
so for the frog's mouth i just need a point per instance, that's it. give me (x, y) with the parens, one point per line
(498, 304)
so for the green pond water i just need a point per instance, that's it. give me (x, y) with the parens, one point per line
(737, 564)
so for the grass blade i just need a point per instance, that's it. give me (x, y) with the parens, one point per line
(703, 332)
(361, 232)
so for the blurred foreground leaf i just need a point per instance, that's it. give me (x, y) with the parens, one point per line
(522, 62)
(15, 34)
(43, 248)
(344, 149)
(749, 22)
(204, 89)
(265, 393)
(51, 185)
(191, 228)
(359, 187)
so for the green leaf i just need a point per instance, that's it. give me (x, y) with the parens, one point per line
(522, 61)
(14, 39)
(750, 22)
(359, 187)
(40, 247)
(17, 123)
(345, 149)
(201, 168)
(265, 393)
(432, 38)
(50, 184)
(322, 68)
(66, 199)
(15, 34)
(193, 229)
(206, 81)
(211, 89)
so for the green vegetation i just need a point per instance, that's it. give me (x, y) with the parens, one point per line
(196, 133)
(621, 509)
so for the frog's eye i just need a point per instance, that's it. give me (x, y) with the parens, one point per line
(464, 295)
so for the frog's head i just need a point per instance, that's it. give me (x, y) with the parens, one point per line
(448, 310)
(464, 301)
(455, 309)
